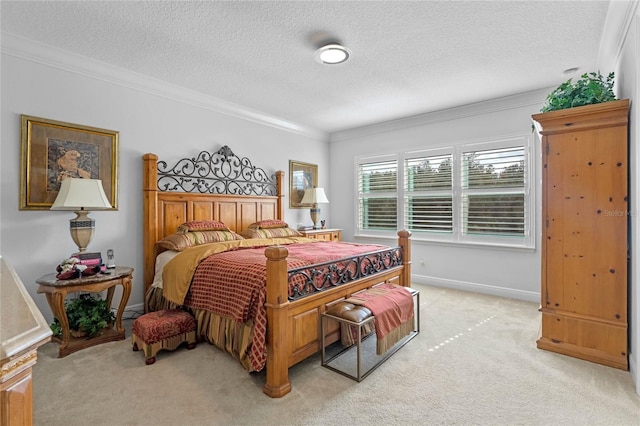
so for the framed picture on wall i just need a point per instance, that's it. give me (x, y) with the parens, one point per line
(51, 151)
(302, 176)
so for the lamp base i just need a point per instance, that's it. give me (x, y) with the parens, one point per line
(315, 215)
(82, 228)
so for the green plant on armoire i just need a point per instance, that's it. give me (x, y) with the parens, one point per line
(591, 88)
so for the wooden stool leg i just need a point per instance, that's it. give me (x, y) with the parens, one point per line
(191, 340)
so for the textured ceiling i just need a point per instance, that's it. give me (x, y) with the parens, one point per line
(408, 57)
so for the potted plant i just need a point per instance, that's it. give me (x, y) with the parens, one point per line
(591, 88)
(87, 315)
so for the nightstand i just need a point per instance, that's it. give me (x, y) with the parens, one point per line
(56, 291)
(323, 234)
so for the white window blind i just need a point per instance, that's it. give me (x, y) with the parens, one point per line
(473, 193)
(378, 195)
(428, 193)
(493, 192)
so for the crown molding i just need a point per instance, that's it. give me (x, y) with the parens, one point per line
(526, 99)
(616, 27)
(54, 57)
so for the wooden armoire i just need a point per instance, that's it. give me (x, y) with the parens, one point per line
(584, 232)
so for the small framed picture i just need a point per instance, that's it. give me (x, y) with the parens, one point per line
(302, 176)
(51, 151)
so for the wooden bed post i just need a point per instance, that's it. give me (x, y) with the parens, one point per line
(150, 203)
(403, 241)
(278, 383)
(280, 193)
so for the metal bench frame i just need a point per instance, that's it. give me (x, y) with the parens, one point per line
(360, 375)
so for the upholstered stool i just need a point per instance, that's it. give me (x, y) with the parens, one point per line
(165, 329)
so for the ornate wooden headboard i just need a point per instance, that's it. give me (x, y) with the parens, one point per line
(212, 186)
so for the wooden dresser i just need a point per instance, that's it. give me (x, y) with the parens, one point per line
(22, 330)
(584, 232)
(323, 234)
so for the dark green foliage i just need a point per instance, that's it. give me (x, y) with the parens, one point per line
(484, 175)
(591, 88)
(425, 176)
(56, 328)
(86, 313)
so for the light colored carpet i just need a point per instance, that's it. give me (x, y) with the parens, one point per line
(474, 363)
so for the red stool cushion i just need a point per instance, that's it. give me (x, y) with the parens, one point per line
(155, 326)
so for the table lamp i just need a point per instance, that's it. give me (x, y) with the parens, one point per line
(81, 196)
(314, 196)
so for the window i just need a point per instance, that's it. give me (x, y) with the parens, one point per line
(470, 193)
(493, 199)
(428, 193)
(378, 195)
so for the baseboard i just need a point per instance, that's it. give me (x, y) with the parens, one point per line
(528, 296)
(633, 369)
(132, 311)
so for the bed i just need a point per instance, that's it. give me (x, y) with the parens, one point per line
(221, 187)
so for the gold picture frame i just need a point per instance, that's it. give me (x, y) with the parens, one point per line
(52, 150)
(302, 176)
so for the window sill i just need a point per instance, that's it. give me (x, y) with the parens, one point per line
(471, 244)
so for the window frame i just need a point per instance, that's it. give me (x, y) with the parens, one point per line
(368, 160)
(457, 236)
(434, 152)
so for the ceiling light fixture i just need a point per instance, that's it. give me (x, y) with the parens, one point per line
(332, 54)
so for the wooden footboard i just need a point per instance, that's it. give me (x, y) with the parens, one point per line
(293, 331)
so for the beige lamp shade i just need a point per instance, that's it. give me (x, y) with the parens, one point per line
(314, 196)
(81, 196)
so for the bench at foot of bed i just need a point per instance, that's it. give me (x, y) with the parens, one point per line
(357, 320)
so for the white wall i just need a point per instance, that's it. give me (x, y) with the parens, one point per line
(34, 242)
(499, 271)
(627, 69)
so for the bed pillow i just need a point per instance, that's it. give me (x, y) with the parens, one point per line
(202, 225)
(270, 233)
(179, 242)
(268, 224)
(161, 260)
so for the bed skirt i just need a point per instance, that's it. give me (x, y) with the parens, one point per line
(226, 334)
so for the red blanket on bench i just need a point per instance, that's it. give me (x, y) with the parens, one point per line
(392, 307)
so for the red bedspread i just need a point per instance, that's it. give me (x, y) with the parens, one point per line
(233, 284)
